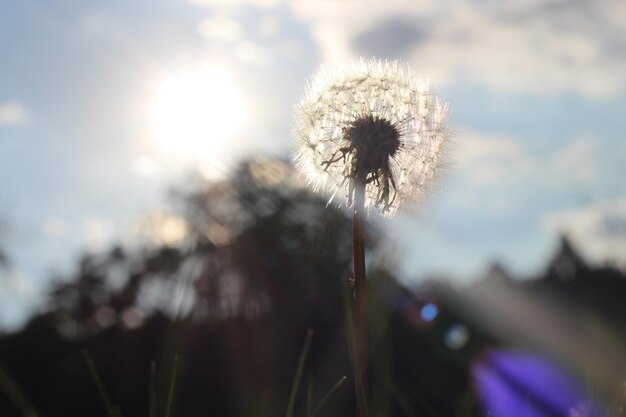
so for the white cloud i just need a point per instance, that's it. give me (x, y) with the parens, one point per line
(236, 3)
(485, 159)
(334, 23)
(579, 160)
(220, 28)
(291, 47)
(491, 160)
(251, 53)
(542, 47)
(539, 47)
(20, 284)
(598, 229)
(268, 26)
(144, 166)
(12, 113)
(474, 147)
(54, 227)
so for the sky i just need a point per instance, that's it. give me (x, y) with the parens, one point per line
(537, 92)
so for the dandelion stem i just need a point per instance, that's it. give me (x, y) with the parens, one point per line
(360, 295)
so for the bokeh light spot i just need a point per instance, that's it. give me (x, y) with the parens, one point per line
(457, 336)
(429, 312)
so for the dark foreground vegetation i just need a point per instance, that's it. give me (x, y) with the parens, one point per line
(213, 324)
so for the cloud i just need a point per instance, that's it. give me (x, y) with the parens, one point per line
(236, 3)
(292, 47)
(145, 166)
(541, 47)
(487, 159)
(400, 33)
(268, 26)
(251, 53)
(231, 32)
(19, 284)
(220, 28)
(598, 229)
(54, 227)
(579, 159)
(334, 24)
(12, 113)
(484, 159)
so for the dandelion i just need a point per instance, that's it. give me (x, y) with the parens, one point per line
(371, 135)
(374, 122)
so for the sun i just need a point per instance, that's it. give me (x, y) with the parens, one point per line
(196, 113)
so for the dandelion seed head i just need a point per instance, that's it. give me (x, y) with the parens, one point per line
(372, 118)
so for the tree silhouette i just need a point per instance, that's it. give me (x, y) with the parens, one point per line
(261, 261)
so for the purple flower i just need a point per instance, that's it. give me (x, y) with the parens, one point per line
(521, 384)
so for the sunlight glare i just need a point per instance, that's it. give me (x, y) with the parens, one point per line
(197, 112)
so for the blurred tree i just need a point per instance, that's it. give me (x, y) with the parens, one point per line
(231, 279)
(260, 260)
(254, 244)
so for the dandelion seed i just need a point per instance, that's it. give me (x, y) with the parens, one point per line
(372, 120)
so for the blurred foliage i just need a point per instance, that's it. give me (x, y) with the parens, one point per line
(232, 279)
(254, 245)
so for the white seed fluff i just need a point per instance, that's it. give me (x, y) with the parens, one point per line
(336, 98)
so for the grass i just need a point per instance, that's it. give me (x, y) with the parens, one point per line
(310, 412)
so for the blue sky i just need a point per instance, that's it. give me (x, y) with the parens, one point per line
(537, 92)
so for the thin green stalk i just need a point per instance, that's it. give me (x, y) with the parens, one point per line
(309, 395)
(152, 412)
(15, 395)
(110, 409)
(298, 375)
(170, 395)
(328, 394)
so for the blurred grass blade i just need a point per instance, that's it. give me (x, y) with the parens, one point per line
(298, 375)
(15, 395)
(309, 395)
(110, 409)
(328, 394)
(152, 391)
(170, 395)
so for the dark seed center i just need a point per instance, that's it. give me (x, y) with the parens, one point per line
(375, 140)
